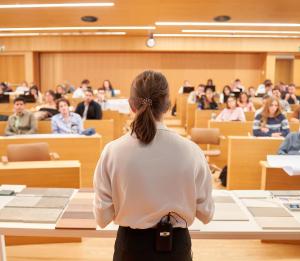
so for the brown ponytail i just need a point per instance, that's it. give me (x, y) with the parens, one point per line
(149, 96)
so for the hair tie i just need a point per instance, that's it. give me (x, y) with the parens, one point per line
(147, 101)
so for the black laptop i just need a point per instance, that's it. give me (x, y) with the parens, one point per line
(188, 89)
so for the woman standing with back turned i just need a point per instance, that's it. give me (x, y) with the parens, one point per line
(152, 182)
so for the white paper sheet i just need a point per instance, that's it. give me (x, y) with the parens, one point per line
(289, 163)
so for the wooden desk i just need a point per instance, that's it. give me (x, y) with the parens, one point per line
(244, 155)
(277, 179)
(214, 230)
(229, 128)
(181, 108)
(86, 149)
(190, 116)
(202, 117)
(120, 120)
(60, 174)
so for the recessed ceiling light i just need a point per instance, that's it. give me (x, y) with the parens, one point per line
(222, 18)
(78, 28)
(56, 5)
(226, 24)
(241, 31)
(227, 35)
(89, 19)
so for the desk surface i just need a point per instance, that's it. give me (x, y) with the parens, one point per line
(265, 164)
(50, 136)
(41, 164)
(214, 230)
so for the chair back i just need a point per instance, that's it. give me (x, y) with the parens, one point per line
(205, 136)
(28, 152)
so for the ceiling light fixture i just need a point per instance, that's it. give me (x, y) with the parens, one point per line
(150, 42)
(226, 24)
(240, 31)
(57, 5)
(227, 35)
(78, 28)
(62, 34)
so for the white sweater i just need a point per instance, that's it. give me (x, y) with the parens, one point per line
(136, 184)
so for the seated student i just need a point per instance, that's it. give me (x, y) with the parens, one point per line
(186, 83)
(296, 115)
(210, 84)
(22, 88)
(271, 122)
(283, 89)
(264, 88)
(66, 122)
(34, 91)
(207, 101)
(225, 94)
(69, 88)
(48, 108)
(251, 92)
(232, 112)
(290, 96)
(195, 96)
(244, 102)
(4, 88)
(89, 109)
(290, 145)
(60, 92)
(79, 92)
(107, 87)
(22, 121)
(283, 103)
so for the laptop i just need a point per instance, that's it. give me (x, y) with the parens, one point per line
(188, 89)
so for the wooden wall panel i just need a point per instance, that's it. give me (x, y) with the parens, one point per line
(137, 43)
(284, 70)
(122, 67)
(12, 68)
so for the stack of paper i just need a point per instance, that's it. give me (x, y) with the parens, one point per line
(289, 163)
(79, 212)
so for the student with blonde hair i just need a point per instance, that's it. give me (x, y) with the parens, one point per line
(271, 122)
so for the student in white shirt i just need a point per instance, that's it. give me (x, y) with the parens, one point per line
(150, 173)
(79, 92)
(22, 88)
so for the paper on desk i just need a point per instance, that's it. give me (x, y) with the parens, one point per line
(289, 163)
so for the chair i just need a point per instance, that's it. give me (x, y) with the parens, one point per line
(208, 136)
(29, 152)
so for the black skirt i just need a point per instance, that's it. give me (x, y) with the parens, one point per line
(139, 245)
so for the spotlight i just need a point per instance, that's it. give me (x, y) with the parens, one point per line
(150, 41)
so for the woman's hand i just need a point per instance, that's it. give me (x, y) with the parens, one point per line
(276, 134)
(264, 129)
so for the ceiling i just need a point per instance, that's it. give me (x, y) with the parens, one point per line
(146, 13)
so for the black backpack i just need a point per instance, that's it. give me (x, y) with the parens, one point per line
(223, 176)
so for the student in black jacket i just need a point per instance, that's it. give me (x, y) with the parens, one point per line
(89, 109)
